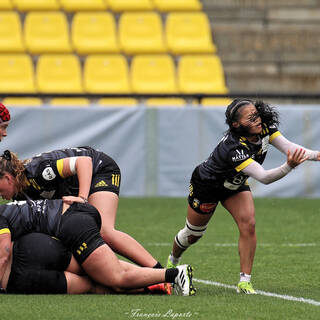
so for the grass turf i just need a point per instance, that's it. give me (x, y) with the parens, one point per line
(286, 263)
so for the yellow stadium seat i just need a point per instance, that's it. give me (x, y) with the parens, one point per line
(46, 32)
(6, 5)
(165, 102)
(153, 74)
(130, 5)
(83, 5)
(177, 5)
(214, 102)
(59, 74)
(10, 32)
(141, 33)
(106, 74)
(117, 102)
(94, 33)
(70, 102)
(189, 33)
(201, 74)
(36, 5)
(17, 75)
(22, 102)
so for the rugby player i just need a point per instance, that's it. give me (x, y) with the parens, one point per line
(78, 228)
(223, 178)
(4, 120)
(76, 175)
(40, 264)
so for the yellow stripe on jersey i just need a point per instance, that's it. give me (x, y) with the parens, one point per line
(5, 230)
(60, 167)
(244, 164)
(274, 135)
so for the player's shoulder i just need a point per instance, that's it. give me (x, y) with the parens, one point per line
(231, 142)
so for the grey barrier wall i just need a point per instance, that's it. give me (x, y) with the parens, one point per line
(158, 148)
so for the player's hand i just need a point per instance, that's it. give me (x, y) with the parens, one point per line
(296, 158)
(72, 199)
(318, 156)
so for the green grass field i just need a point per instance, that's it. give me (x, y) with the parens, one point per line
(287, 263)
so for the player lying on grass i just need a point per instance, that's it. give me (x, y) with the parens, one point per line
(223, 178)
(74, 174)
(78, 228)
(40, 264)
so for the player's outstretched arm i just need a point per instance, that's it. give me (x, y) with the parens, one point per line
(256, 171)
(284, 145)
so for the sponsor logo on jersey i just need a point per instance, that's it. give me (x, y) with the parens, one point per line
(240, 156)
(48, 174)
(101, 183)
(195, 203)
(207, 207)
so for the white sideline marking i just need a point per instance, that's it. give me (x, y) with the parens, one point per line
(263, 293)
(169, 244)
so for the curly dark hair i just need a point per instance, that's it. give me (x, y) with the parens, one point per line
(269, 116)
(10, 163)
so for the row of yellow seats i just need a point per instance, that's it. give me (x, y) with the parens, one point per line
(97, 32)
(110, 74)
(114, 5)
(114, 102)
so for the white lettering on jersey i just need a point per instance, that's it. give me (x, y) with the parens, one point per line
(265, 144)
(240, 156)
(48, 174)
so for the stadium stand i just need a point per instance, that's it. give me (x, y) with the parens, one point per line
(130, 5)
(141, 33)
(70, 102)
(83, 5)
(213, 102)
(268, 46)
(6, 5)
(177, 5)
(59, 74)
(17, 74)
(46, 32)
(189, 33)
(165, 102)
(103, 47)
(153, 74)
(201, 74)
(10, 41)
(94, 32)
(36, 5)
(106, 74)
(22, 102)
(117, 102)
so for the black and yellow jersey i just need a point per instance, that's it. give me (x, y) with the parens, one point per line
(22, 217)
(45, 178)
(233, 153)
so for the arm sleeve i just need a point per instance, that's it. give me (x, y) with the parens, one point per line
(256, 171)
(283, 144)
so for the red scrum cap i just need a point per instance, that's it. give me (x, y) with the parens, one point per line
(4, 113)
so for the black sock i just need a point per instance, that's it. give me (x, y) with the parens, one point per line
(158, 266)
(171, 274)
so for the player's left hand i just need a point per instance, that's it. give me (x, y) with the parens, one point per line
(72, 199)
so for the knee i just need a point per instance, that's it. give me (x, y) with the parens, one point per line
(190, 234)
(248, 226)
